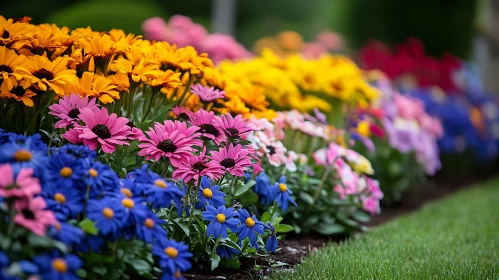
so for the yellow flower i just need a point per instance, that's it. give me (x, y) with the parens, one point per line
(94, 85)
(121, 81)
(290, 40)
(363, 129)
(19, 92)
(167, 79)
(46, 74)
(102, 45)
(49, 38)
(14, 34)
(234, 105)
(9, 60)
(141, 72)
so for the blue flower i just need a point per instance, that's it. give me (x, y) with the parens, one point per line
(226, 251)
(172, 255)
(271, 244)
(282, 194)
(24, 155)
(172, 276)
(209, 195)
(78, 151)
(250, 227)
(135, 209)
(220, 219)
(108, 213)
(35, 140)
(91, 243)
(56, 266)
(66, 201)
(150, 228)
(28, 267)
(64, 170)
(159, 192)
(67, 234)
(263, 189)
(100, 178)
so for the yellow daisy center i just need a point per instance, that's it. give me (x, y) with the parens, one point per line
(128, 203)
(250, 222)
(282, 187)
(126, 192)
(59, 197)
(149, 223)
(207, 193)
(93, 173)
(160, 183)
(221, 218)
(59, 265)
(66, 172)
(171, 252)
(22, 155)
(108, 212)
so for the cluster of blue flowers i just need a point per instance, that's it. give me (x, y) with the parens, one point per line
(268, 193)
(77, 187)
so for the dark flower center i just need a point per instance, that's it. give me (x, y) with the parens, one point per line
(44, 73)
(74, 113)
(5, 68)
(6, 34)
(130, 124)
(28, 214)
(102, 131)
(183, 116)
(209, 129)
(232, 131)
(271, 149)
(228, 163)
(167, 146)
(199, 166)
(18, 90)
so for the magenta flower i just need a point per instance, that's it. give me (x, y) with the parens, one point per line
(208, 127)
(172, 140)
(180, 112)
(370, 205)
(136, 132)
(68, 109)
(73, 135)
(207, 94)
(32, 215)
(25, 185)
(234, 127)
(104, 129)
(234, 160)
(192, 168)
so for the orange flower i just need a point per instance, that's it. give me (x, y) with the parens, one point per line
(94, 85)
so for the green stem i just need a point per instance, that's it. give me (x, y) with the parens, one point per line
(324, 176)
(12, 213)
(216, 245)
(153, 97)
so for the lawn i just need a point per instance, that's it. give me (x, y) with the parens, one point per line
(455, 238)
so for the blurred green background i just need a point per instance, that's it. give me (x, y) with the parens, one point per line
(443, 25)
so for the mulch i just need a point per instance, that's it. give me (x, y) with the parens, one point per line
(294, 248)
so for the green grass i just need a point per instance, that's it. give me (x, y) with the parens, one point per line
(456, 238)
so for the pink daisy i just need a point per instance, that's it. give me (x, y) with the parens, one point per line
(32, 215)
(73, 135)
(104, 129)
(208, 127)
(180, 112)
(136, 132)
(197, 166)
(172, 140)
(370, 205)
(68, 109)
(25, 185)
(234, 127)
(206, 93)
(234, 160)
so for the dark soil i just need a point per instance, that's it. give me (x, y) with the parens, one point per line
(294, 248)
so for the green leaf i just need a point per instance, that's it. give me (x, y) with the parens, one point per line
(306, 197)
(183, 226)
(284, 228)
(329, 229)
(88, 226)
(230, 263)
(215, 260)
(361, 216)
(141, 266)
(232, 244)
(101, 270)
(242, 190)
(82, 273)
(265, 217)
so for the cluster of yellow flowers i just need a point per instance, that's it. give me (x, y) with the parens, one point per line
(304, 84)
(38, 58)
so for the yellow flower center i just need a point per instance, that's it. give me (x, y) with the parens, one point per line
(93, 173)
(66, 172)
(250, 222)
(160, 183)
(128, 203)
(57, 226)
(221, 218)
(126, 192)
(207, 193)
(171, 252)
(149, 223)
(59, 265)
(108, 212)
(22, 155)
(178, 274)
(282, 187)
(59, 197)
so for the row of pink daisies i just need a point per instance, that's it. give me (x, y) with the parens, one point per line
(182, 144)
